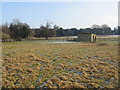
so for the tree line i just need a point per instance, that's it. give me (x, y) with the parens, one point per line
(18, 31)
(96, 29)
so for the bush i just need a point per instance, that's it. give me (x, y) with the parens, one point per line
(5, 36)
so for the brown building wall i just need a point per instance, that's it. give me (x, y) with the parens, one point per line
(86, 37)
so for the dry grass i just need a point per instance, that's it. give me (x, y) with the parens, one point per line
(66, 65)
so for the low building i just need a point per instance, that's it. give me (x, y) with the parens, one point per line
(83, 36)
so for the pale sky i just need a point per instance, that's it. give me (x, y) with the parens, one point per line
(64, 14)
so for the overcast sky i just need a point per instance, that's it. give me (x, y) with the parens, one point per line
(63, 14)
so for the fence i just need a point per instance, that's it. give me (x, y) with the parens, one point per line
(71, 38)
(108, 39)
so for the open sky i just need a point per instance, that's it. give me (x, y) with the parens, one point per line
(64, 14)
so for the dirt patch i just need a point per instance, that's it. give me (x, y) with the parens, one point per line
(102, 44)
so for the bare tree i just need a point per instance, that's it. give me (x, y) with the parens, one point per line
(47, 31)
(5, 32)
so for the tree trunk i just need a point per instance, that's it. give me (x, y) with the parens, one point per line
(46, 37)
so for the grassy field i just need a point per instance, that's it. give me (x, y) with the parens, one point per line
(60, 65)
